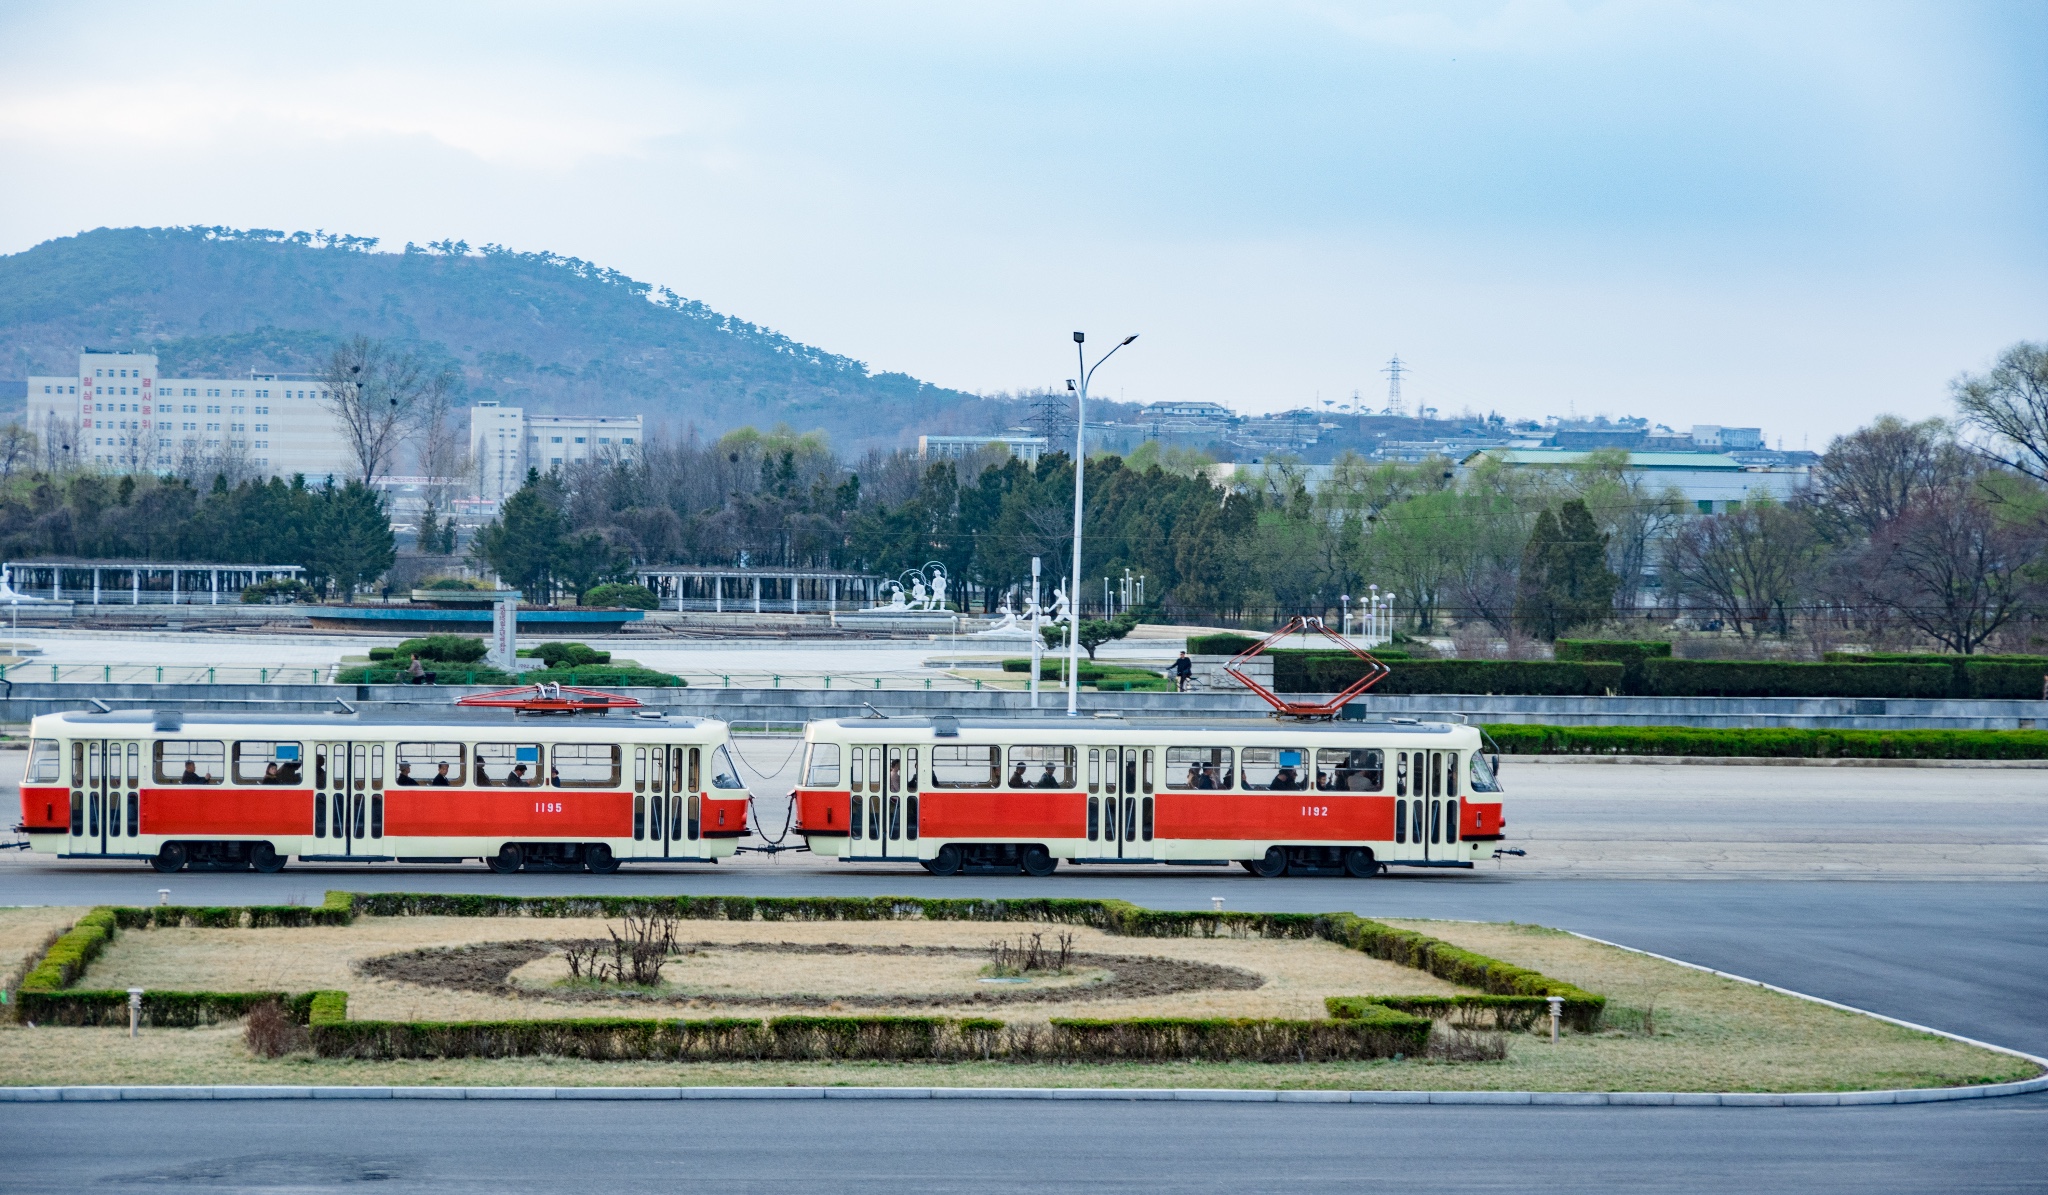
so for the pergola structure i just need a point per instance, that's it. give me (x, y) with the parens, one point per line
(142, 582)
(761, 590)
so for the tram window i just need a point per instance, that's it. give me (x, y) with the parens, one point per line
(190, 761)
(134, 767)
(1094, 769)
(320, 770)
(1042, 767)
(1148, 770)
(1415, 826)
(436, 765)
(1111, 766)
(1450, 821)
(857, 776)
(584, 765)
(640, 769)
(507, 765)
(1401, 773)
(725, 775)
(1450, 775)
(1131, 770)
(1482, 777)
(1281, 769)
(45, 762)
(966, 767)
(1400, 821)
(696, 772)
(1198, 767)
(823, 771)
(77, 764)
(263, 762)
(1352, 770)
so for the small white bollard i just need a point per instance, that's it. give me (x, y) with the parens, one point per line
(1216, 903)
(163, 896)
(134, 1011)
(1556, 1015)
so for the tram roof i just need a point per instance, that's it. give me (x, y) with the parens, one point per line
(1184, 725)
(451, 715)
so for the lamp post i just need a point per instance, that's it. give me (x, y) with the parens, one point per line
(1080, 468)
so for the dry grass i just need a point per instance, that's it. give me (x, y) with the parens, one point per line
(1298, 974)
(25, 933)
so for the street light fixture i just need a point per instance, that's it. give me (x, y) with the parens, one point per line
(1080, 468)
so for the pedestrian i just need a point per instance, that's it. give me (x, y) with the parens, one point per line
(418, 672)
(1183, 673)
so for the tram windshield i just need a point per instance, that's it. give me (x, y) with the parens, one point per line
(1482, 777)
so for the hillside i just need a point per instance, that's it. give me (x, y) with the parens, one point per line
(554, 334)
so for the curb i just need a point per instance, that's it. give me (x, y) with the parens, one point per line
(1553, 1099)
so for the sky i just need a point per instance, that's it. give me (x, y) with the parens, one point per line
(1788, 215)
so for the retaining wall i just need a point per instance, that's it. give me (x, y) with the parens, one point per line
(20, 701)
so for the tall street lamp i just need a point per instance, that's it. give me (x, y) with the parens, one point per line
(1080, 467)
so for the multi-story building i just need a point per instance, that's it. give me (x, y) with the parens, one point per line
(506, 442)
(117, 413)
(1022, 445)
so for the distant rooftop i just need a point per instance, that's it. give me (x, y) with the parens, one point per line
(1564, 457)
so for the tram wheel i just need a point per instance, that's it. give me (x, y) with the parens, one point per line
(1271, 865)
(507, 860)
(947, 862)
(263, 857)
(169, 857)
(1359, 863)
(599, 859)
(1037, 861)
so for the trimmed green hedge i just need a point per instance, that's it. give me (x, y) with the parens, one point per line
(1772, 678)
(336, 910)
(70, 954)
(1333, 671)
(163, 1010)
(1927, 657)
(603, 676)
(883, 1039)
(445, 674)
(1220, 645)
(1777, 742)
(1497, 1012)
(435, 649)
(1630, 655)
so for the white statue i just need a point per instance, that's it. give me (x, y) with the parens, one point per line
(1060, 607)
(938, 599)
(919, 599)
(895, 601)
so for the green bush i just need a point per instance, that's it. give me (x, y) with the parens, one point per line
(1334, 671)
(457, 584)
(324, 1008)
(277, 588)
(1220, 645)
(1380, 1034)
(74, 950)
(1770, 742)
(603, 676)
(617, 595)
(445, 674)
(1927, 657)
(556, 655)
(445, 649)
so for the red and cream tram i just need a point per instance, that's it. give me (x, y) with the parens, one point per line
(1329, 797)
(444, 786)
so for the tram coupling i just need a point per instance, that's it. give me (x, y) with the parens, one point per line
(1516, 851)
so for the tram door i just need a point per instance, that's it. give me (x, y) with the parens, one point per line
(1119, 804)
(667, 812)
(348, 797)
(106, 796)
(1432, 781)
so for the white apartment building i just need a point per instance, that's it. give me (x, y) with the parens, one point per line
(1022, 445)
(506, 442)
(118, 414)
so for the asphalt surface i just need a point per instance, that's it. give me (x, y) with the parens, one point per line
(912, 1146)
(1956, 953)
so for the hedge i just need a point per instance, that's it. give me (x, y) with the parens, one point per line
(1629, 654)
(338, 909)
(69, 955)
(1513, 1013)
(444, 649)
(1928, 657)
(1406, 947)
(1381, 1034)
(163, 1010)
(1333, 671)
(1775, 742)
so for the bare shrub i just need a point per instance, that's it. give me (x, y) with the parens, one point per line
(1025, 956)
(271, 1032)
(1454, 1043)
(635, 957)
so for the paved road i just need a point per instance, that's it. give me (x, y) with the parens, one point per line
(900, 1147)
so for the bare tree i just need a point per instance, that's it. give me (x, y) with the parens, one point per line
(375, 393)
(2009, 406)
(1870, 476)
(1955, 566)
(1750, 566)
(17, 448)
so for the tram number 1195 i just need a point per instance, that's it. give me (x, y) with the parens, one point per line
(547, 806)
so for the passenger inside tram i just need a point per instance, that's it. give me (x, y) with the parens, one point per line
(441, 779)
(1050, 779)
(405, 775)
(1017, 777)
(518, 777)
(287, 773)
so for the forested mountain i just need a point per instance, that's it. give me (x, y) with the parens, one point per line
(553, 333)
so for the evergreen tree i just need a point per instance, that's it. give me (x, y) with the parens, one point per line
(524, 544)
(1565, 581)
(352, 542)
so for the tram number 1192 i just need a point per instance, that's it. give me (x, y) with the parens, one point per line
(1315, 811)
